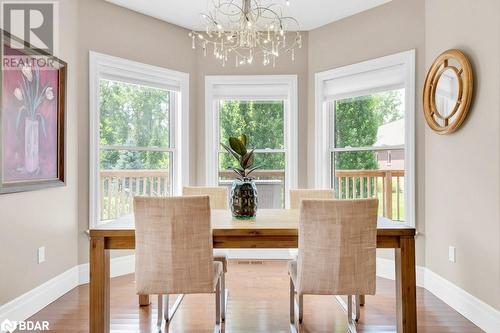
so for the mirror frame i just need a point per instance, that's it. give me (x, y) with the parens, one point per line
(465, 91)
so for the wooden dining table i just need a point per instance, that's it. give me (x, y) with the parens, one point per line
(271, 229)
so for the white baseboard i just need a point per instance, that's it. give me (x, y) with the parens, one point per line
(118, 266)
(481, 314)
(386, 269)
(36, 299)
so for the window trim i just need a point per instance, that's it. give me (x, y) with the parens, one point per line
(290, 122)
(106, 66)
(322, 174)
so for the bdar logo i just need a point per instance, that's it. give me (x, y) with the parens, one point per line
(8, 326)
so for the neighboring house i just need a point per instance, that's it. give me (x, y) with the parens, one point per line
(391, 134)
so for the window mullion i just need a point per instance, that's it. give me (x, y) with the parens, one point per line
(259, 151)
(372, 148)
(135, 148)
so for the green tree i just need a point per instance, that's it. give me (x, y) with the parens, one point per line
(356, 125)
(262, 122)
(132, 115)
(129, 160)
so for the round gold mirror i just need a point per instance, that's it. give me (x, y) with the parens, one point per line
(448, 92)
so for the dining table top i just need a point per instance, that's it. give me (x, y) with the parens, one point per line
(267, 220)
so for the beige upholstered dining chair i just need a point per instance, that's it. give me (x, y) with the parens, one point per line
(218, 197)
(337, 245)
(297, 195)
(174, 253)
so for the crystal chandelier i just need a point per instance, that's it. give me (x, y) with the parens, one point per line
(245, 31)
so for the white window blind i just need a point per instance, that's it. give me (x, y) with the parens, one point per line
(358, 84)
(145, 80)
(250, 91)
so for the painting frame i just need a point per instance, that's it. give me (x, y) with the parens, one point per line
(59, 179)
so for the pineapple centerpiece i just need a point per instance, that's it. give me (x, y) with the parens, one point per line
(244, 198)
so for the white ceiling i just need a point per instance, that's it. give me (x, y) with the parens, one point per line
(311, 14)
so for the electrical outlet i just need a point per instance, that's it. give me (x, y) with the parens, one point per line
(41, 254)
(452, 252)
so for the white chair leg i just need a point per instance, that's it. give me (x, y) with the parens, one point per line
(350, 319)
(357, 302)
(293, 326)
(160, 311)
(292, 302)
(223, 296)
(165, 312)
(301, 307)
(217, 306)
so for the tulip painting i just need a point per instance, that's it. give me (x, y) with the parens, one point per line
(32, 118)
(30, 111)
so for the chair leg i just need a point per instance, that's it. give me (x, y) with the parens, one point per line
(292, 302)
(301, 307)
(217, 306)
(350, 320)
(223, 296)
(160, 311)
(293, 326)
(165, 312)
(357, 302)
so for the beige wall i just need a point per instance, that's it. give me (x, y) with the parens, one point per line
(45, 217)
(394, 27)
(462, 170)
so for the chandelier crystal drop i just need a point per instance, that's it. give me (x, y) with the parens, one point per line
(245, 31)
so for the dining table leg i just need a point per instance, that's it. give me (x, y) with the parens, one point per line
(406, 289)
(99, 286)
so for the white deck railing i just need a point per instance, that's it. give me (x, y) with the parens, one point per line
(118, 187)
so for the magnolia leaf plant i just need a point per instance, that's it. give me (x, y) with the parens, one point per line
(238, 149)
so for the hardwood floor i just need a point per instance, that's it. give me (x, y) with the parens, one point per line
(258, 302)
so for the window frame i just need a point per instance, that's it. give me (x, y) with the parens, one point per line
(102, 66)
(274, 83)
(324, 124)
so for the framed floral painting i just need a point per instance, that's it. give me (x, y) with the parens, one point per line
(32, 117)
